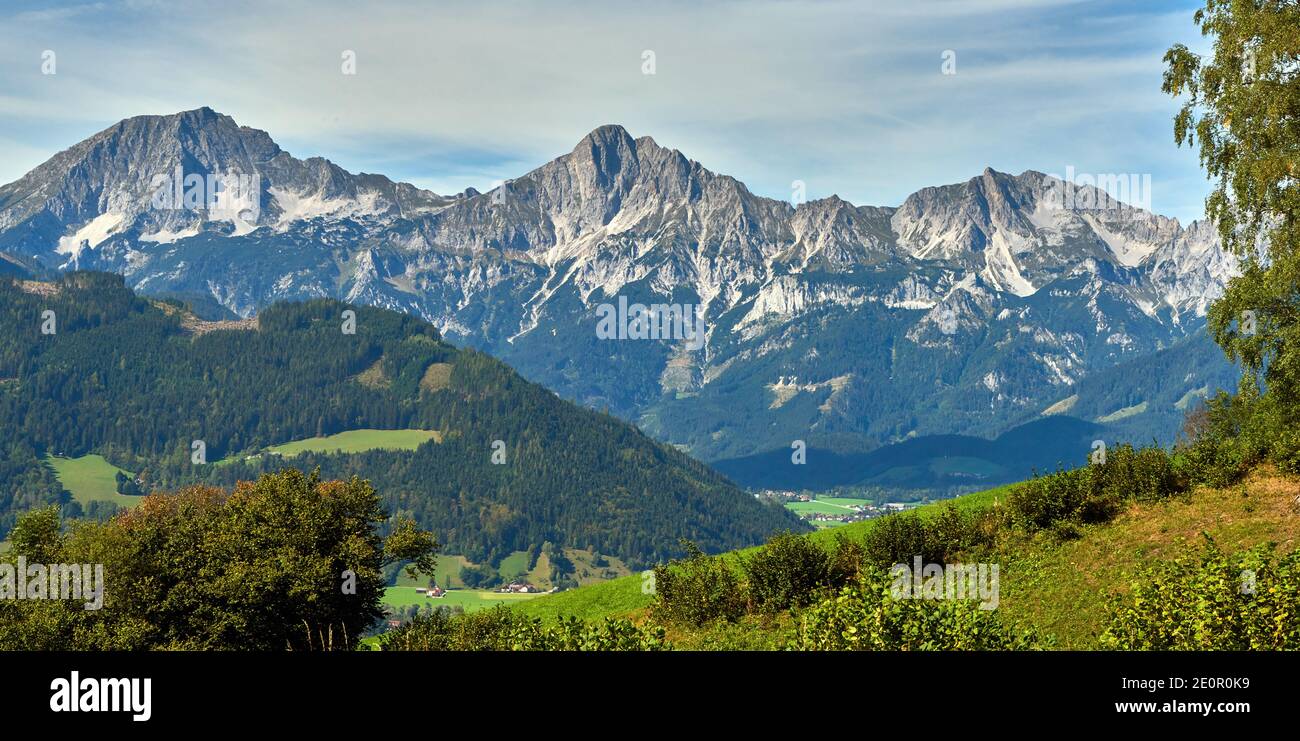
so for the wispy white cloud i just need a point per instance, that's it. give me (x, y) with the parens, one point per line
(845, 96)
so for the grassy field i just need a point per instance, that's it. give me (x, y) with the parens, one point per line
(845, 502)
(469, 599)
(585, 569)
(516, 564)
(621, 596)
(827, 524)
(358, 441)
(825, 508)
(445, 574)
(90, 478)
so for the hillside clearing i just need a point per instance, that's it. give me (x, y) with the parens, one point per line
(90, 478)
(1059, 586)
(358, 441)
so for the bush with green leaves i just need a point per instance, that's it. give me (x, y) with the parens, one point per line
(1143, 474)
(896, 539)
(610, 634)
(1043, 500)
(867, 617)
(1098, 491)
(486, 630)
(502, 629)
(287, 562)
(900, 537)
(697, 590)
(1206, 600)
(848, 561)
(786, 572)
(1230, 434)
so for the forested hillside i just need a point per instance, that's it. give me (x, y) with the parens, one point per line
(141, 381)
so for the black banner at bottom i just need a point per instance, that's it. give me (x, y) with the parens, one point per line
(419, 691)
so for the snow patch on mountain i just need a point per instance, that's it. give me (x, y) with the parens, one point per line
(298, 206)
(91, 234)
(168, 236)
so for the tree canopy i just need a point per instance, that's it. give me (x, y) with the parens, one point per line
(1241, 108)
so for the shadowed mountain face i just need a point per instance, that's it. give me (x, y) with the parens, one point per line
(968, 309)
(932, 462)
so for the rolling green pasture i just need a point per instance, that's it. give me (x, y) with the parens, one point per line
(90, 478)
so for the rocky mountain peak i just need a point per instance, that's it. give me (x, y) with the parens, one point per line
(989, 285)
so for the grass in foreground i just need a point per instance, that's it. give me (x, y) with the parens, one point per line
(630, 594)
(1058, 582)
(1062, 587)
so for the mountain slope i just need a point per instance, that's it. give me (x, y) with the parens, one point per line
(148, 385)
(965, 310)
(1058, 586)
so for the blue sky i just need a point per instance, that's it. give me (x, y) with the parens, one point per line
(848, 97)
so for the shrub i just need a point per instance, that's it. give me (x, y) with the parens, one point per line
(1206, 600)
(899, 538)
(1042, 500)
(866, 617)
(848, 562)
(1144, 474)
(896, 539)
(697, 590)
(610, 634)
(1229, 434)
(1096, 492)
(953, 531)
(255, 569)
(786, 573)
(501, 629)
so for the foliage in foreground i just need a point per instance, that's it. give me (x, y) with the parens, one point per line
(501, 629)
(1233, 433)
(697, 590)
(259, 568)
(1206, 600)
(867, 617)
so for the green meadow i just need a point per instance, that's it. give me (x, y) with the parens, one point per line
(348, 441)
(825, 508)
(358, 441)
(90, 478)
(469, 599)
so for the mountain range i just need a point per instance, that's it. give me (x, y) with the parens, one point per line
(970, 309)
